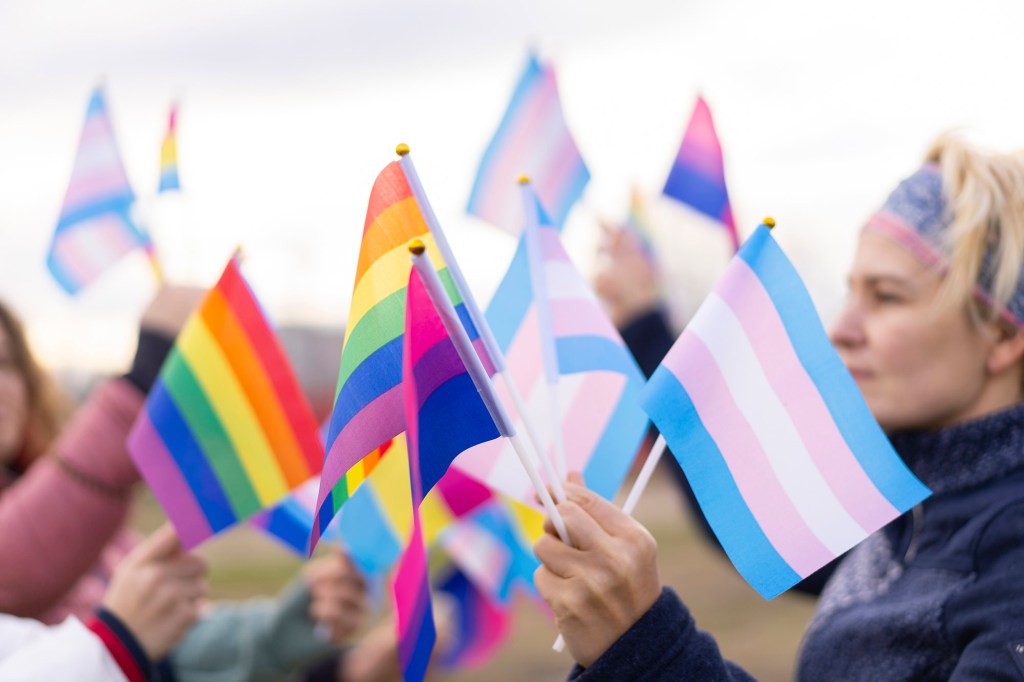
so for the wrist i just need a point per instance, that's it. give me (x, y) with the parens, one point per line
(124, 648)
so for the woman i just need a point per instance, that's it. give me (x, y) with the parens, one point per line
(933, 333)
(65, 491)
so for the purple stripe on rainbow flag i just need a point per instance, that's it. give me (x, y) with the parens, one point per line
(414, 620)
(532, 139)
(697, 177)
(783, 456)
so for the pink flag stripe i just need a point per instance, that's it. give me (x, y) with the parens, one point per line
(573, 317)
(742, 290)
(551, 247)
(86, 188)
(164, 477)
(559, 170)
(782, 524)
(605, 390)
(536, 105)
(87, 248)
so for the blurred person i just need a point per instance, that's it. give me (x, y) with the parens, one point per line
(65, 492)
(933, 334)
(154, 596)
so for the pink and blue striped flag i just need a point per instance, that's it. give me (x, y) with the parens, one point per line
(599, 383)
(697, 177)
(445, 414)
(779, 447)
(533, 139)
(95, 228)
(480, 625)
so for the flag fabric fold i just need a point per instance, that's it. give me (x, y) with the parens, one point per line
(226, 430)
(697, 177)
(787, 463)
(368, 407)
(533, 139)
(599, 383)
(95, 228)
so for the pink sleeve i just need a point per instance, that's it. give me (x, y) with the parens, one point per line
(54, 524)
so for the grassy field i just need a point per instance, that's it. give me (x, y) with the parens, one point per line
(761, 636)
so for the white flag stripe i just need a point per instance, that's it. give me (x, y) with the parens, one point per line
(724, 336)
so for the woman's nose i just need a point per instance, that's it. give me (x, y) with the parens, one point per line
(848, 328)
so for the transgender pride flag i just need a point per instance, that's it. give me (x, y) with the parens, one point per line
(532, 139)
(599, 381)
(697, 177)
(95, 227)
(783, 455)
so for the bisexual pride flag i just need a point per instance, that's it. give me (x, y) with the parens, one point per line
(95, 228)
(533, 139)
(787, 463)
(445, 415)
(226, 430)
(697, 177)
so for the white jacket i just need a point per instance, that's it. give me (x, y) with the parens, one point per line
(33, 652)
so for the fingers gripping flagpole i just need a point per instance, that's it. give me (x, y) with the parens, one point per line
(464, 347)
(549, 352)
(484, 329)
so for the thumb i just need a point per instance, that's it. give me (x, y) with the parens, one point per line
(163, 543)
(613, 520)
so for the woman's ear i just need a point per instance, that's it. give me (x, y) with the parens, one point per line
(1008, 349)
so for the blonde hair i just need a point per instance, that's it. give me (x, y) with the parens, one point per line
(984, 193)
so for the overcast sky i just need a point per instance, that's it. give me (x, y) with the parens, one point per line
(289, 109)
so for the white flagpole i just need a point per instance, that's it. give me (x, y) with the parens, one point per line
(450, 319)
(479, 321)
(547, 340)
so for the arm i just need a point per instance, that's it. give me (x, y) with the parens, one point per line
(985, 621)
(258, 640)
(84, 482)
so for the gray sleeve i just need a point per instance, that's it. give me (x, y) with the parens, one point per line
(258, 640)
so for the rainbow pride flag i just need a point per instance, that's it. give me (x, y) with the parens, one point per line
(169, 154)
(779, 447)
(95, 228)
(533, 139)
(445, 415)
(226, 430)
(368, 406)
(599, 383)
(697, 177)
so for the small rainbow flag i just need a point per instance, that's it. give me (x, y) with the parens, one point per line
(226, 430)
(368, 406)
(787, 463)
(697, 178)
(95, 228)
(533, 139)
(169, 154)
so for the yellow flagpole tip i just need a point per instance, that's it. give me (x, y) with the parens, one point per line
(524, 179)
(402, 149)
(769, 221)
(417, 247)
(239, 254)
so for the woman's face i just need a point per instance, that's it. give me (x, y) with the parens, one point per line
(13, 402)
(919, 364)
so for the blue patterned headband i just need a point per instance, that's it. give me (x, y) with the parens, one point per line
(915, 216)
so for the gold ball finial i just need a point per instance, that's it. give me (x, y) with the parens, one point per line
(769, 221)
(402, 149)
(417, 247)
(524, 179)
